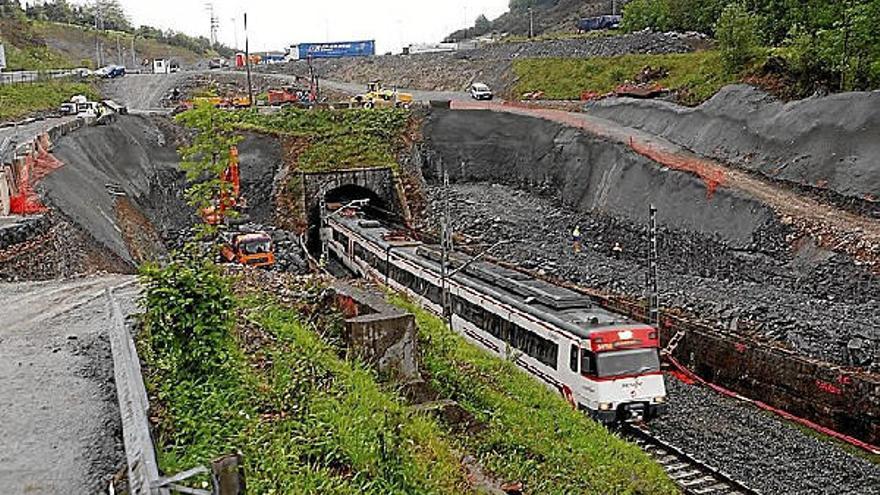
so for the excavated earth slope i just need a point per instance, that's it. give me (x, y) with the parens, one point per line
(830, 144)
(724, 256)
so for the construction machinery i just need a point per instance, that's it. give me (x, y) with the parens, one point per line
(229, 192)
(377, 96)
(245, 248)
(249, 249)
(289, 95)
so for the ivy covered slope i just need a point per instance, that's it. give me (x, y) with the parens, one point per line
(237, 370)
(336, 139)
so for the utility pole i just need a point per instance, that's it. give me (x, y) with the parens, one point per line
(531, 23)
(653, 291)
(445, 249)
(134, 63)
(613, 7)
(215, 23)
(119, 51)
(97, 37)
(247, 63)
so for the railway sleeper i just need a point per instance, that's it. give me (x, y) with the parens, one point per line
(699, 481)
(680, 476)
(718, 487)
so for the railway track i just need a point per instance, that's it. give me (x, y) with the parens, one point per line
(692, 475)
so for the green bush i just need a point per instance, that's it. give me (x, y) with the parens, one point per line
(739, 39)
(694, 76)
(188, 308)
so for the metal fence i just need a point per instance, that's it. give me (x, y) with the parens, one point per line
(32, 76)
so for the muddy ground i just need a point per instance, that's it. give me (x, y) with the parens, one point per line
(61, 431)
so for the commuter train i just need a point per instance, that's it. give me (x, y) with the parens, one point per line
(602, 363)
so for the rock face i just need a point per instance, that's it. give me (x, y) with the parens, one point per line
(586, 173)
(726, 258)
(827, 143)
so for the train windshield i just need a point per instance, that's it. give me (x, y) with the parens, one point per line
(630, 362)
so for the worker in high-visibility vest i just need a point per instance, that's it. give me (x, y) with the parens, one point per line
(576, 239)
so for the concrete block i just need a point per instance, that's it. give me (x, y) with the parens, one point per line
(380, 334)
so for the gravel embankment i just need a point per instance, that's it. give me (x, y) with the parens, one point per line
(815, 302)
(759, 449)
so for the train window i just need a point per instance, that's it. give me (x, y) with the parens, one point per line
(588, 362)
(573, 358)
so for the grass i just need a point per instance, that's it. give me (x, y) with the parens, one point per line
(306, 420)
(532, 435)
(309, 420)
(338, 139)
(696, 76)
(19, 100)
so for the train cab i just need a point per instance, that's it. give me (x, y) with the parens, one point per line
(620, 377)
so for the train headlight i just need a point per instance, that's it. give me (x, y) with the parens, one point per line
(604, 406)
(660, 399)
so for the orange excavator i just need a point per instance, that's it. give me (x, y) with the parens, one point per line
(251, 249)
(229, 193)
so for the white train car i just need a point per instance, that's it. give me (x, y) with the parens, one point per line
(601, 362)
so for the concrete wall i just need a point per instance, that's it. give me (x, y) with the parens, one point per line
(378, 333)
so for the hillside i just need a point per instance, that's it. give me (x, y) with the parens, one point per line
(40, 45)
(549, 16)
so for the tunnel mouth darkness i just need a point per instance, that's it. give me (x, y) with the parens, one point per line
(376, 208)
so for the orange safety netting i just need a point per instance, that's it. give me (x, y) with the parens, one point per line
(35, 166)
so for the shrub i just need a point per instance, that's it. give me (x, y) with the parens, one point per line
(641, 14)
(188, 312)
(739, 39)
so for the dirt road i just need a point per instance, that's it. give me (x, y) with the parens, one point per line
(143, 91)
(61, 430)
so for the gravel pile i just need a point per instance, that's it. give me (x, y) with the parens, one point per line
(640, 42)
(754, 446)
(814, 302)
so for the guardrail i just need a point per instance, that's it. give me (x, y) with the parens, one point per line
(226, 472)
(32, 76)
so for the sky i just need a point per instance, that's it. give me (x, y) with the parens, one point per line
(276, 24)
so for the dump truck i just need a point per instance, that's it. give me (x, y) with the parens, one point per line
(249, 249)
(377, 96)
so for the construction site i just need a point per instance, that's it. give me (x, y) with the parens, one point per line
(396, 269)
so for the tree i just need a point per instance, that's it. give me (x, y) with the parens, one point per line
(482, 25)
(59, 11)
(208, 155)
(10, 9)
(739, 38)
(110, 15)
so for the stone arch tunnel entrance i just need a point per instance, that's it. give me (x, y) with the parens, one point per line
(379, 185)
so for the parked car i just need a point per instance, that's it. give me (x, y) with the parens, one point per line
(480, 91)
(218, 63)
(110, 72)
